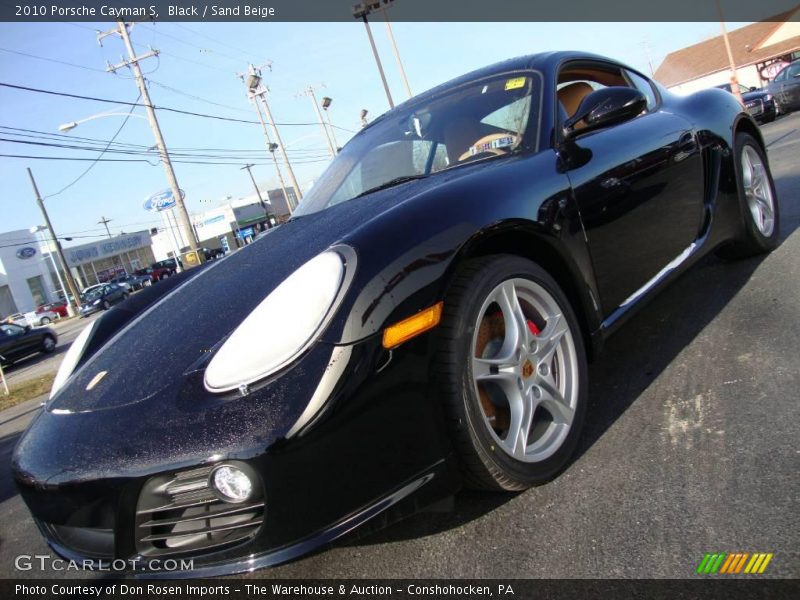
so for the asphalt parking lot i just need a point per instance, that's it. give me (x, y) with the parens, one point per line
(691, 445)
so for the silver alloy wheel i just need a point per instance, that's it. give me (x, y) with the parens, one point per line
(45, 321)
(49, 344)
(758, 191)
(525, 370)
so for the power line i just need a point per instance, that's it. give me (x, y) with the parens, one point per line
(236, 163)
(139, 152)
(218, 41)
(98, 143)
(184, 42)
(192, 96)
(54, 60)
(91, 166)
(122, 102)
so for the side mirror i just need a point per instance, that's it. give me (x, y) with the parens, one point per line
(27, 328)
(605, 107)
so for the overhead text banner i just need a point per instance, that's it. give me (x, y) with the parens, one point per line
(401, 10)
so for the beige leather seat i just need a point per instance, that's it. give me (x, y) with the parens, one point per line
(570, 96)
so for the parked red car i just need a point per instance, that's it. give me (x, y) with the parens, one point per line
(156, 273)
(59, 307)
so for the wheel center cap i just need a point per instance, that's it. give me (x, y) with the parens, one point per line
(527, 368)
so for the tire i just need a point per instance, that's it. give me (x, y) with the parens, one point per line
(48, 344)
(480, 418)
(758, 201)
(45, 321)
(106, 305)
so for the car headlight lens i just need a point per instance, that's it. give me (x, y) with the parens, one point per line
(280, 328)
(71, 358)
(768, 97)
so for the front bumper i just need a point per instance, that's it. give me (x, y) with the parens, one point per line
(761, 110)
(376, 442)
(89, 309)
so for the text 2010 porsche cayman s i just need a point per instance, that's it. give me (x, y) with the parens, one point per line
(422, 322)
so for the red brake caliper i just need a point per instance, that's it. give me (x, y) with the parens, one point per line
(534, 329)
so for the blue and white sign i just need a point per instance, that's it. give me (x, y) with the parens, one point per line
(161, 201)
(26, 252)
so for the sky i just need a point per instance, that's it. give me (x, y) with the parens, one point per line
(196, 71)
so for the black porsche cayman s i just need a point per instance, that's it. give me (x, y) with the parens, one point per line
(423, 322)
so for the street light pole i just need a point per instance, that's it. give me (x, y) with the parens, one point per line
(73, 289)
(326, 103)
(384, 5)
(133, 61)
(331, 148)
(377, 59)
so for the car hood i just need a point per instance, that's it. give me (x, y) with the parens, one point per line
(178, 334)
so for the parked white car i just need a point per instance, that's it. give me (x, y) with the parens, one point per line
(33, 319)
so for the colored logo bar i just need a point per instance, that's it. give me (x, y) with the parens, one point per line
(734, 563)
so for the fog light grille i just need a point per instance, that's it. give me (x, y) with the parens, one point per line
(180, 513)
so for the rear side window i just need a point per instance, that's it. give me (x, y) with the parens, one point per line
(644, 86)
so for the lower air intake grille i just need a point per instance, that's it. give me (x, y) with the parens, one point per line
(180, 513)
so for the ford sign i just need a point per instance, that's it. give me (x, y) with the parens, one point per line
(26, 252)
(161, 201)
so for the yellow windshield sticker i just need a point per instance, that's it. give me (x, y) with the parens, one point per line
(515, 83)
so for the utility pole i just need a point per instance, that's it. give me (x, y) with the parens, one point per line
(734, 77)
(132, 61)
(255, 185)
(257, 90)
(360, 11)
(73, 289)
(104, 222)
(271, 149)
(384, 6)
(310, 93)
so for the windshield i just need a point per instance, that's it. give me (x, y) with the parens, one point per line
(481, 120)
(93, 294)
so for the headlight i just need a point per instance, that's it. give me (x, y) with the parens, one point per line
(96, 302)
(282, 326)
(71, 358)
(768, 97)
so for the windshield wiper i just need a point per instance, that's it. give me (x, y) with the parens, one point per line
(390, 183)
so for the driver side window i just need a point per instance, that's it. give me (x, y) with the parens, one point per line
(576, 81)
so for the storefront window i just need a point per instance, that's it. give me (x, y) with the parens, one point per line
(36, 286)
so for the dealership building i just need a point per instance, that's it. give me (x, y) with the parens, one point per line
(28, 278)
(759, 51)
(225, 227)
(100, 261)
